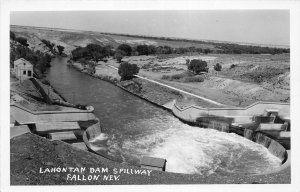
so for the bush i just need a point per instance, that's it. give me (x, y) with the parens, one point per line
(142, 50)
(125, 48)
(197, 78)
(127, 70)
(198, 66)
(151, 49)
(233, 66)
(264, 75)
(218, 67)
(206, 51)
(48, 44)
(178, 76)
(165, 77)
(22, 41)
(164, 50)
(119, 54)
(60, 49)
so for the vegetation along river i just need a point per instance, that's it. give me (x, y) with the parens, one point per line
(134, 128)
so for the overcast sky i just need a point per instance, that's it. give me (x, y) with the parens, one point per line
(255, 26)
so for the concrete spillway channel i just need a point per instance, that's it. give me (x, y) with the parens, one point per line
(69, 132)
(67, 126)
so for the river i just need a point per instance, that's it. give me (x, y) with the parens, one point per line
(134, 128)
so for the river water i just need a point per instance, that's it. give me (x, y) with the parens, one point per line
(134, 128)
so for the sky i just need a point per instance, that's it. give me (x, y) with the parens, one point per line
(249, 26)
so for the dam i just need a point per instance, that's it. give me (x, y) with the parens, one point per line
(133, 128)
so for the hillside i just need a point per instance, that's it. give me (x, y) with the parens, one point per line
(71, 39)
(249, 73)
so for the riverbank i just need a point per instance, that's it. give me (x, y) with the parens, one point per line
(146, 90)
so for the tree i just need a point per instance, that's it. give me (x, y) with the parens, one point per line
(119, 54)
(127, 70)
(126, 48)
(91, 52)
(218, 67)
(48, 44)
(22, 41)
(96, 52)
(164, 50)
(60, 49)
(142, 50)
(206, 51)
(151, 49)
(12, 35)
(198, 66)
(96, 56)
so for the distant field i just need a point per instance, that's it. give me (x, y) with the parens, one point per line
(254, 77)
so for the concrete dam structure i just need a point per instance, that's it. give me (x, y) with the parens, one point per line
(259, 132)
(240, 115)
(26, 116)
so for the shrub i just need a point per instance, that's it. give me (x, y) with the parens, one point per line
(165, 77)
(151, 49)
(206, 51)
(125, 48)
(164, 50)
(218, 67)
(233, 66)
(22, 41)
(127, 70)
(142, 50)
(119, 54)
(197, 78)
(198, 66)
(60, 49)
(178, 76)
(49, 45)
(261, 76)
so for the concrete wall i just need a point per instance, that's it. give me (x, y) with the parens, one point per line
(191, 113)
(25, 116)
(242, 115)
(41, 90)
(89, 134)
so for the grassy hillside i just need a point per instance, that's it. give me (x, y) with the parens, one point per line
(71, 39)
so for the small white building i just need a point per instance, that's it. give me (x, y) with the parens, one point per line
(23, 69)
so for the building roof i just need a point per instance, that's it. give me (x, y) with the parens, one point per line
(21, 61)
(153, 161)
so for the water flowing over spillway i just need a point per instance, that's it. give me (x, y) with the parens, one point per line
(134, 128)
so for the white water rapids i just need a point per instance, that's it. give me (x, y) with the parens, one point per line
(191, 150)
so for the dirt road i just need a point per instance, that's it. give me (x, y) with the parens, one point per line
(176, 89)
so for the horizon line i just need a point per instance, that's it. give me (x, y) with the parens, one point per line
(175, 38)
